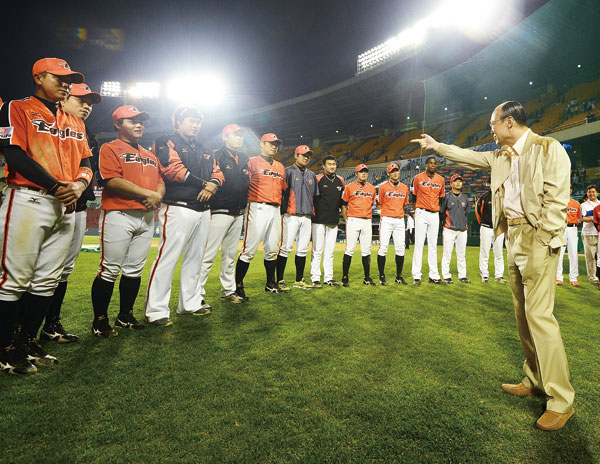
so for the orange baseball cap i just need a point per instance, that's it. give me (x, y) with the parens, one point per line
(392, 166)
(361, 167)
(81, 90)
(303, 150)
(128, 112)
(57, 67)
(230, 129)
(455, 177)
(270, 137)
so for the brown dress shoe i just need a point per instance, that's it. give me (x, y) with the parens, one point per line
(519, 390)
(551, 420)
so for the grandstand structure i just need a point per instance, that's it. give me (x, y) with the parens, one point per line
(548, 61)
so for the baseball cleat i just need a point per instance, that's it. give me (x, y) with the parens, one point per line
(559, 282)
(101, 328)
(368, 281)
(317, 284)
(14, 362)
(204, 310)
(302, 284)
(128, 321)
(332, 283)
(436, 281)
(464, 280)
(574, 284)
(56, 332)
(34, 353)
(417, 282)
(448, 281)
(162, 322)
(232, 298)
(400, 280)
(345, 282)
(485, 280)
(272, 287)
(239, 291)
(383, 282)
(500, 280)
(283, 287)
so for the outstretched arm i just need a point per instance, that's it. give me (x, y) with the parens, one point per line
(468, 158)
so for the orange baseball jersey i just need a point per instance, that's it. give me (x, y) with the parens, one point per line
(267, 180)
(360, 199)
(428, 191)
(57, 143)
(392, 200)
(120, 159)
(573, 212)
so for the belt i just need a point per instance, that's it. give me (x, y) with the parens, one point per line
(199, 207)
(517, 221)
(302, 215)
(486, 226)
(429, 210)
(229, 212)
(277, 205)
(23, 187)
(571, 225)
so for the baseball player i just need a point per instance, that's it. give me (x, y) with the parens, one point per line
(133, 189)
(428, 187)
(47, 169)
(589, 234)
(325, 222)
(571, 239)
(596, 222)
(79, 103)
(263, 216)
(359, 197)
(454, 211)
(483, 213)
(227, 212)
(391, 200)
(298, 208)
(191, 176)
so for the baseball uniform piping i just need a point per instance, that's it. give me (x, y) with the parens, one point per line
(4, 271)
(157, 259)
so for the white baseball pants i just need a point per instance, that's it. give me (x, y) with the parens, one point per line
(75, 248)
(486, 241)
(181, 230)
(358, 228)
(35, 234)
(323, 244)
(426, 225)
(263, 224)
(571, 240)
(225, 231)
(295, 228)
(125, 239)
(450, 239)
(391, 227)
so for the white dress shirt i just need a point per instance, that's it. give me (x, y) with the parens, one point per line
(513, 208)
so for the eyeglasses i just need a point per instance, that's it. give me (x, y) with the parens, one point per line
(491, 123)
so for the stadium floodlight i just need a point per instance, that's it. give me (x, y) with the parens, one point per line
(205, 90)
(111, 89)
(143, 90)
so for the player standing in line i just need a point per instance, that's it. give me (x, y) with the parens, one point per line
(596, 221)
(571, 239)
(133, 189)
(392, 198)
(454, 210)
(428, 187)
(191, 177)
(79, 103)
(263, 215)
(589, 234)
(410, 230)
(483, 213)
(227, 212)
(47, 169)
(298, 208)
(325, 222)
(359, 196)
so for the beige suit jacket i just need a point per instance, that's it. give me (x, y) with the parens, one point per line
(544, 177)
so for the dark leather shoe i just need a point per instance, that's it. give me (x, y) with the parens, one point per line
(519, 390)
(551, 420)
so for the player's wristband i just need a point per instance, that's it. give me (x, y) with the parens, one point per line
(83, 181)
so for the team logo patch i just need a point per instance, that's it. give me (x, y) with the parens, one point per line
(44, 128)
(463, 204)
(6, 132)
(206, 156)
(395, 195)
(65, 65)
(339, 188)
(358, 193)
(135, 158)
(310, 181)
(228, 167)
(271, 173)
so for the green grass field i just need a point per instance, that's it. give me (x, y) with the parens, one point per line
(363, 374)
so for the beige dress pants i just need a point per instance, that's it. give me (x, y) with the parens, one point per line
(532, 269)
(590, 245)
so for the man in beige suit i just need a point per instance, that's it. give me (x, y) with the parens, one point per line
(530, 191)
